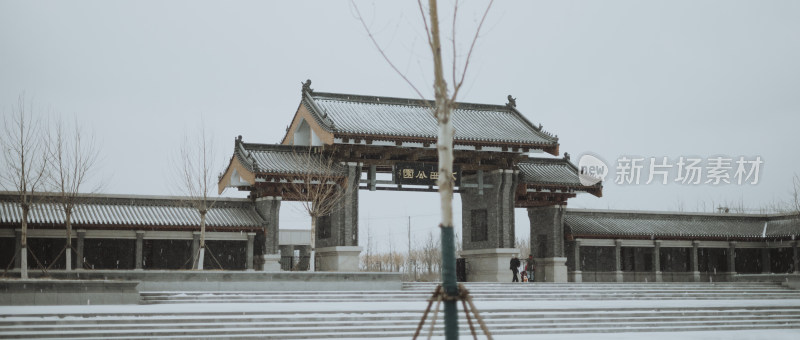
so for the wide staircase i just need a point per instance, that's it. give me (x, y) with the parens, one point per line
(508, 309)
(502, 292)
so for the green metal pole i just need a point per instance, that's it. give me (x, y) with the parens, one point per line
(449, 283)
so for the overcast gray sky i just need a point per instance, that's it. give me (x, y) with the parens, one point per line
(613, 78)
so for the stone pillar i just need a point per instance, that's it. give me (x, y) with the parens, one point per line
(17, 248)
(577, 275)
(338, 259)
(695, 266)
(303, 262)
(79, 249)
(766, 265)
(338, 250)
(139, 250)
(547, 241)
(284, 251)
(487, 219)
(657, 260)
(796, 257)
(269, 209)
(249, 254)
(195, 247)
(491, 265)
(618, 260)
(732, 260)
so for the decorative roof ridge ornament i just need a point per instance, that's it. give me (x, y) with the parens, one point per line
(566, 156)
(307, 86)
(512, 101)
(320, 112)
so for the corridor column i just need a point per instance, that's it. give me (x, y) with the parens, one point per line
(695, 267)
(732, 260)
(618, 260)
(17, 248)
(139, 249)
(250, 242)
(766, 266)
(657, 260)
(577, 275)
(79, 249)
(195, 248)
(796, 257)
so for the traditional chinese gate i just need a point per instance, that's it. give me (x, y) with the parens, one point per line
(395, 139)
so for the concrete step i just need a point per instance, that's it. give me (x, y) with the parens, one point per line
(321, 317)
(500, 292)
(382, 324)
(368, 331)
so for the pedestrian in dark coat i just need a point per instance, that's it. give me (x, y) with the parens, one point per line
(515, 268)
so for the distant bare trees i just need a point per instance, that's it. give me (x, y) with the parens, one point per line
(423, 263)
(25, 162)
(73, 154)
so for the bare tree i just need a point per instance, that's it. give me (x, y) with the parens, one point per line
(524, 246)
(445, 102)
(794, 204)
(72, 154)
(197, 179)
(320, 189)
(25, 163)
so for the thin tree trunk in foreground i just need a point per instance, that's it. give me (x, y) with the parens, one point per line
(23, 250)
(444, 146)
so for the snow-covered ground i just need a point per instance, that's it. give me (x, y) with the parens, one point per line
(381, 306)
(717, 335)
(30, 312)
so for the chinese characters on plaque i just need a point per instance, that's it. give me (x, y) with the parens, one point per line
(422, 174)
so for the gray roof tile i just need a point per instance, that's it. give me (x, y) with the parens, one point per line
(133, 210)
(555, 171)
(384, 116)
(549, 170)
(679, 225)
(284, 159)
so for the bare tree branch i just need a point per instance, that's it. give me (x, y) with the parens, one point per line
(72, 157)
(425, 23)
(196, 179)
(320, 189)
(25, 160)
(383, 54)
(457, 86)
(453, 40)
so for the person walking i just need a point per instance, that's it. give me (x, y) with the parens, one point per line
(530, 268)
(514, 268)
